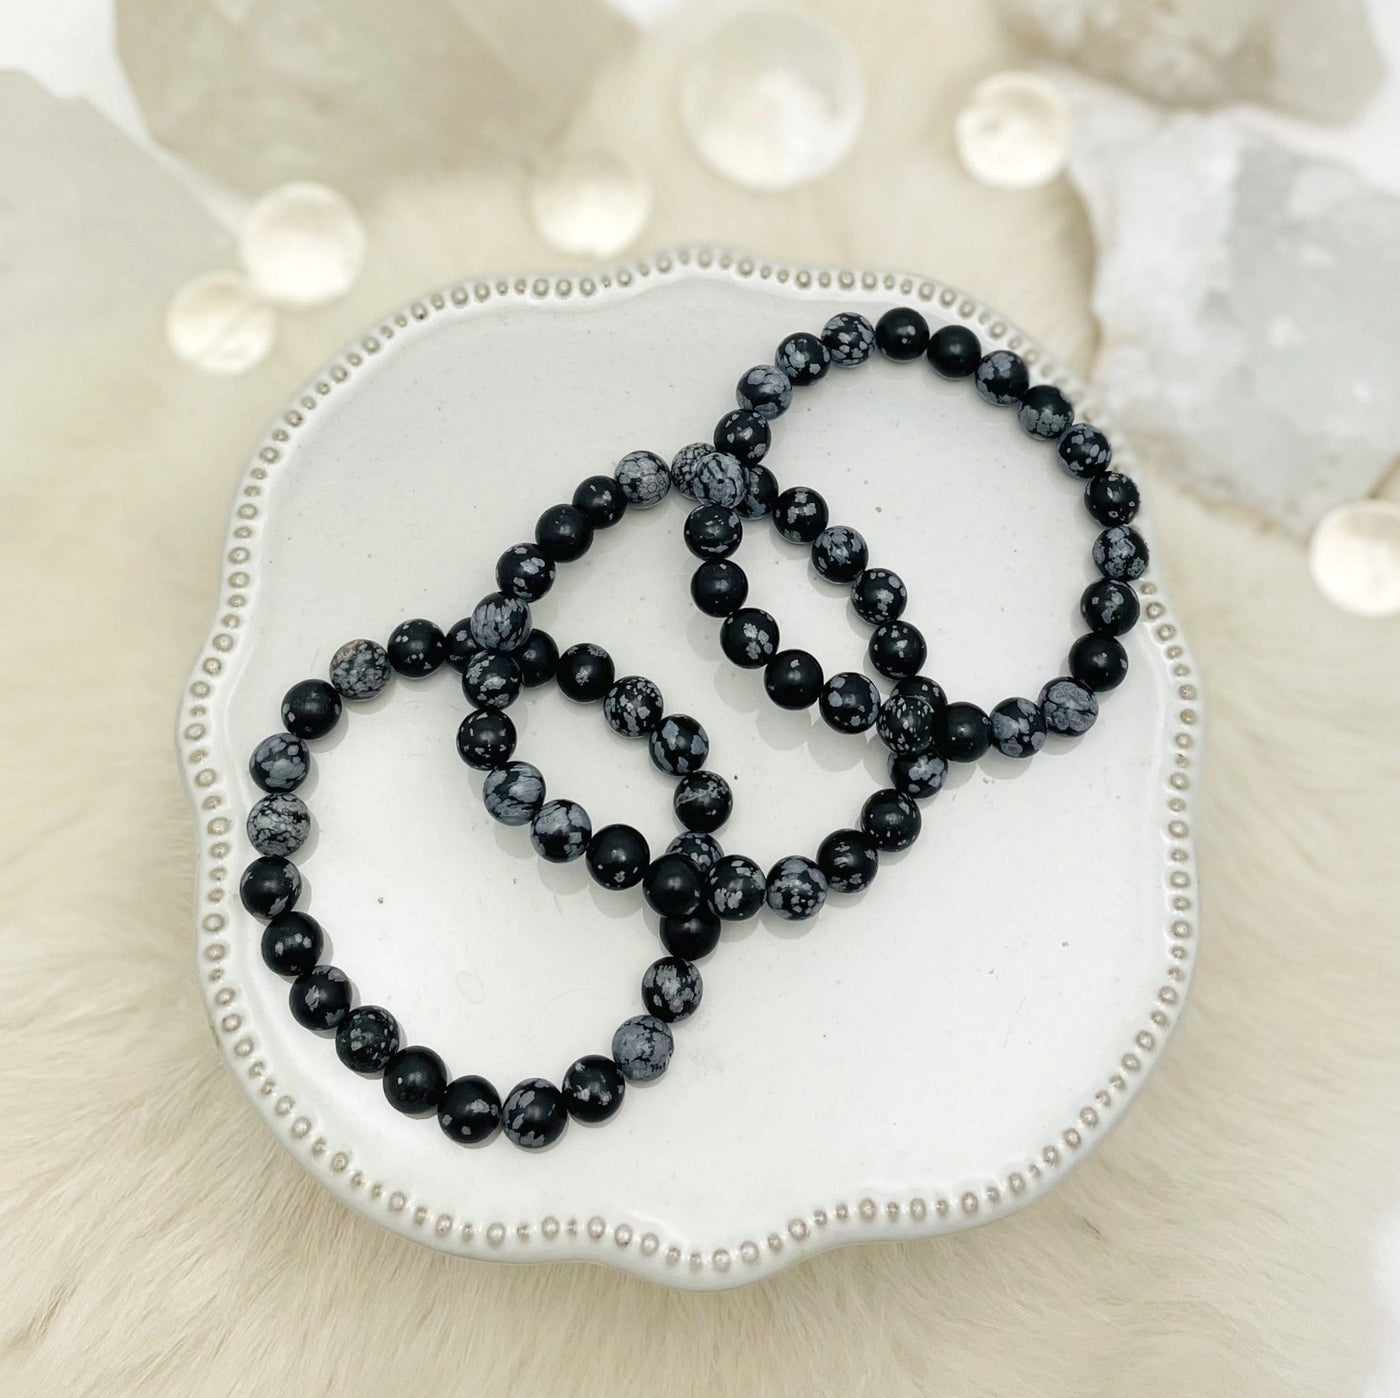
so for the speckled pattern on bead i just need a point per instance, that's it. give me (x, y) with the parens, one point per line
(702, 850)
(513, 793)
(644, 478)
(633, 706)
(642, 1048)
(685, 464)
(279, 763)
(849, 337)
(718, 479)
(279, 824)
(796, 888)
(1068, 707)
(360, 669)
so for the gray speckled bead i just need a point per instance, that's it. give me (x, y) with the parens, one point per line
(1068, 707)
(513, 793)
(849, 337)
(644, 478)
(765, 390)
(360, 669)
(279, 763)
(560, 831)
(633, 706)
(703, 851)
(684, 464)
(796, 888)
(719, 479)
(1018, 728)
(279, 824)
(500, 623)
(642, 1048)
(1120, 553)
(1045, 412)
(678, 745)
(671, 988)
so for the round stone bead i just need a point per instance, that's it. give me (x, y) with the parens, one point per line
(901, 333)
(321, 998)
(593, 1088)
(849, 859)
(878, 595)
(538, 659)
(292, 943)
(840, 553)
(678, 745)
(1084, 451)
(760, 492)
(1110, 608)
(1112, 498)
(1001, 377)
(764, 390)
(469, 1110)
(749, 637)
(486, 739)
(906, 723)
(600, 500)
(269, 885)
(671, 989)
(713, 531)
(891, 819)
(414, 1080)
(310, 709)
(1068, 707)
(925, 688)
(719, 587)
(492, 680)
(803, 358)
(564, 533)
(898, 649)
(416, 648)
(514, 793)
(1018, 729)
(743, 435)
(700, 848)
(642, 1048)
(702, 801)
(360, 669)
(644, 479)
(849, 338)
(793, 679)
(560, 831)
(919, 775)
(954, 351)
(280, 763)
(459, 644)
(962, 732)
(796, 888)
(618, 856)
(692, 936)
(685, 463)
(734, 887)
(1045, 412)
(849, 702)
(585, 673)
(633, 706)
(279, 824)
(800, 514)
(673, 886)
(533, 1115)
(1120, 553)
(525, 571)
(368, 1037)
(720, 479)
(500, 623)
(1098, 662)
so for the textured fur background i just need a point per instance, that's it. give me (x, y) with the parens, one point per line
(1226, 1238)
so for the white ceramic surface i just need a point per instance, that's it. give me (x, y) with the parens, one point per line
(930, 1056)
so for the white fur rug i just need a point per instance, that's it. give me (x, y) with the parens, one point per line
(157, 1242)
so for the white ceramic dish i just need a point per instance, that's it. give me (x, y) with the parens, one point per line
(925, 1058)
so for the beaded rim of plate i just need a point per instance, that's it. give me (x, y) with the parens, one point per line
(860, 1216)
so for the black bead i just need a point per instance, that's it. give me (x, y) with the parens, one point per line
(850, 859)
(292, 943)
(749, 637)
(321, 998)
(1001, 377)
(533, 1114)
(360, 669)
(279, 763)
(901, 333)
(564, 533)
(1068, 707)
(270, 885)
(593, 1088)
(513, 794)
(311, 709)
(879, 595)
(734, 888)
(486, 739)
(760, 492)
(585, 673)
(560, 831)
(1098, 662)
(460, 645)
(469, 1110)
(766, 390)
(1112, 498)
(538, 659)
(744, 435)
(796, 889)
(644, 477)
(414, 1080)
(891, 819)
(713, 531)
(525, 571)
(849, 702)
(898, 649)
(492, 680)
(1018, 728)
(803, 358)
(906, 723)
(368, 1037)
(1120, 553)
(673, 885)
(702, 849)
(702, 801)
(671, 989)
(719, 587)
(1084, 451)
(600, 500)
(800, 514)
(919, 775)
(840, 553)
(678, 745)
(925, 688)
(618, 856)
(1110, 608)
(692, 936)
(962, 732)
(954, 351)
(416, 648)
(501, 623)
(1045, 412)
(633, 706)
(793, 679)
(849, 337)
